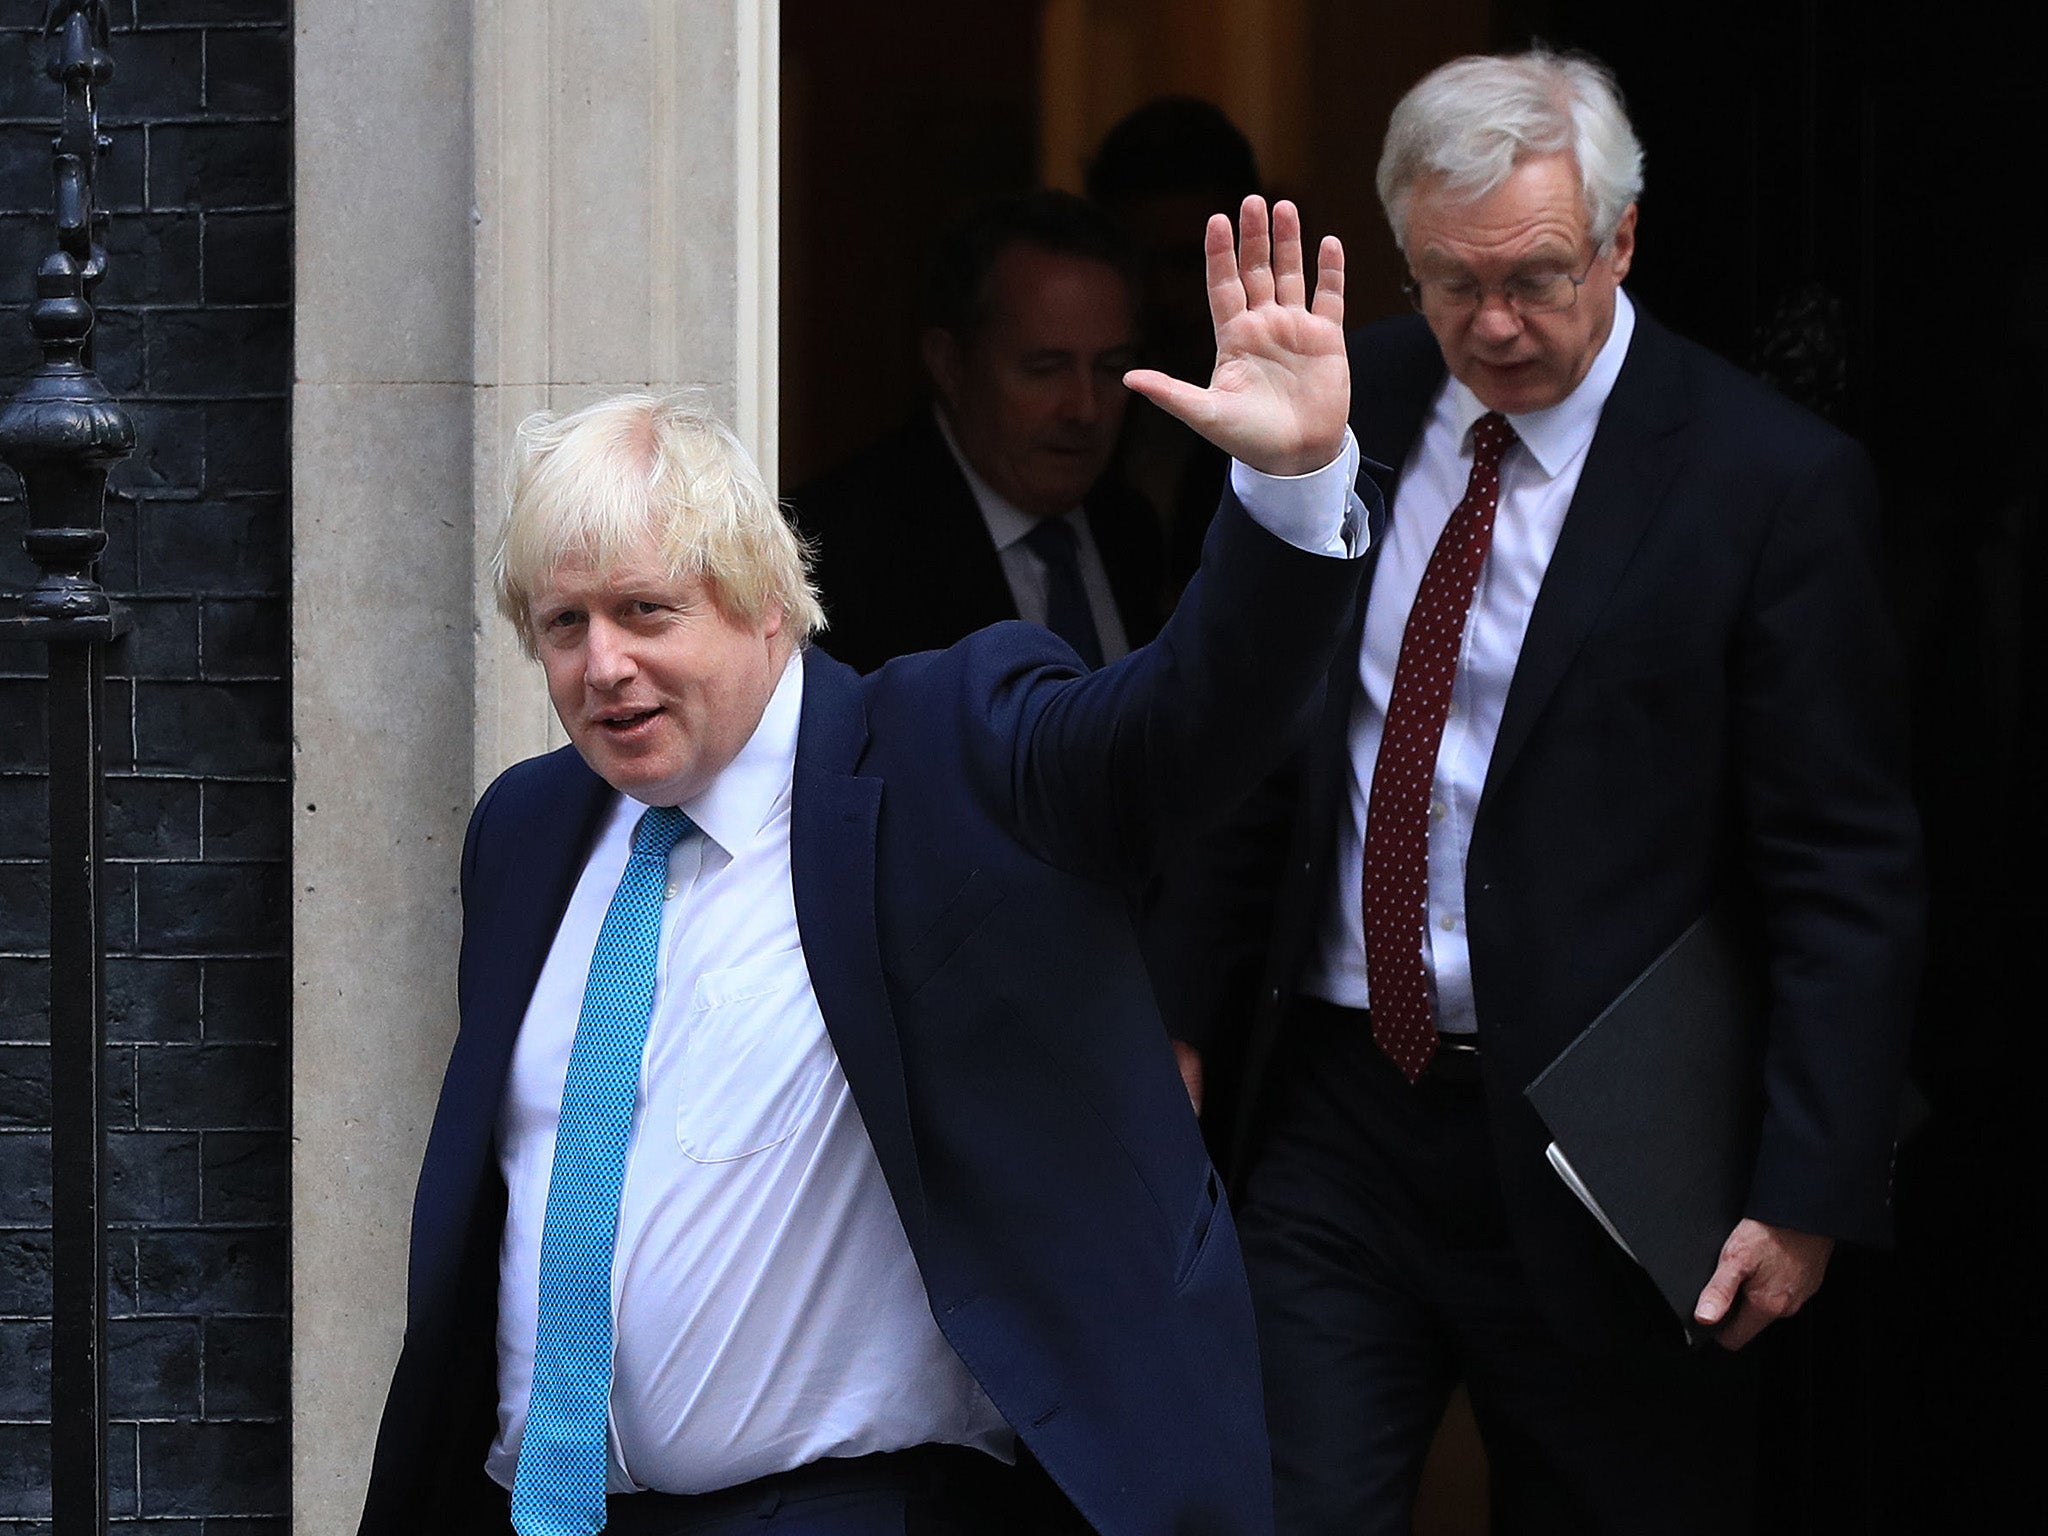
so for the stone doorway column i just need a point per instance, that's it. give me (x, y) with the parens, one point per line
(502, 206)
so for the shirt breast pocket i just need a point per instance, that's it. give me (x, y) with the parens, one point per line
(755, 1059)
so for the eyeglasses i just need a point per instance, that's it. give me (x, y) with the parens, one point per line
(1526, 293)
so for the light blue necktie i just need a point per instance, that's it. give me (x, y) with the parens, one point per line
(559, 1487)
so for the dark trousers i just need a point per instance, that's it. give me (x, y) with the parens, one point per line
(929, 1491)
(1383, 1274)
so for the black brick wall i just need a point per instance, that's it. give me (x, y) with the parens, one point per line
(195, 336)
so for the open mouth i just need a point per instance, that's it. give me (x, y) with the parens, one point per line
(624, 723)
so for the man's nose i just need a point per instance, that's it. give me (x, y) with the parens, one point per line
(1082, 398)
(1496, 319)
(607, 655)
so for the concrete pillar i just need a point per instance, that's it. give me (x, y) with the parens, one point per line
(502, 206)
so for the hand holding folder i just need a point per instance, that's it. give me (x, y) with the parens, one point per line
(1766, 1273)
(1654, 1110)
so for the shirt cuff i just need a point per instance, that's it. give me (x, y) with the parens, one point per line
(1318, 512)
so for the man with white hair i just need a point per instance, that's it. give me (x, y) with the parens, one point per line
(811, 1158)
(1623, 659)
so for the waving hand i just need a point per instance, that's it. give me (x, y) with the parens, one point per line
(1282, 387)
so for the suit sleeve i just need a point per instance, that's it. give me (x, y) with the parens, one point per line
(1832, 843)
(1111, 770)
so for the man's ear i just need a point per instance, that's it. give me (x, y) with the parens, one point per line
(1623, 246)
(941, 352)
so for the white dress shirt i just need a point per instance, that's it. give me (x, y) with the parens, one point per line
(767, 1310)
(1537, 479)
(1025, 572)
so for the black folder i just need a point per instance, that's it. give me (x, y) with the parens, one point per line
(1654, 1109)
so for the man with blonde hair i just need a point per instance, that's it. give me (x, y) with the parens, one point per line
(1623, 660)
(811, 1155)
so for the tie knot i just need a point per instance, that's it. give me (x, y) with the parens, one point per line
(1053, 541)
(661, 828)
(1491, 435)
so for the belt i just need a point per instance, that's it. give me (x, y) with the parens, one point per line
(1455, 1064)
(923, 1468)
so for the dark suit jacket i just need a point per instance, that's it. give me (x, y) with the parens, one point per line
(906, 564)
(963, 826)
(1707, 708)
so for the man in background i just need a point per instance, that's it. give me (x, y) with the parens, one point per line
(994, 504)
(1623, 660)
(1159, 173)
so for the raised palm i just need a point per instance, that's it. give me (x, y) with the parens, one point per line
(1282, 386)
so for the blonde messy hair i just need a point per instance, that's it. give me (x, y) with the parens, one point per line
(602, 485)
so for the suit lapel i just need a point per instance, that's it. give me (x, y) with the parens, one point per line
(1630, 466)
(1396, 371)
(834, 814)
(551, 828)
(967, 571)
(532, 842)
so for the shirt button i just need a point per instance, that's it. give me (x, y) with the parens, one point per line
(1436, 810)
(1448, 923)
(671, 891)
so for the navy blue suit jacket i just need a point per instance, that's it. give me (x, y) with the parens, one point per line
(1707, 709)
(965, 827)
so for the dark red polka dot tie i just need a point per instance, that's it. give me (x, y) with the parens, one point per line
(1397, 814)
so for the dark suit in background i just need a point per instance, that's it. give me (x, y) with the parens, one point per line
(1623, 659)
(1704, 710)
(1028, 333)
(906, 563)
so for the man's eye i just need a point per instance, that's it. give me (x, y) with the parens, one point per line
(561, 627)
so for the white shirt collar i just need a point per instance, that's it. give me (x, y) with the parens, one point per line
(1559, 433)
(1007, 522)
(740, 801)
